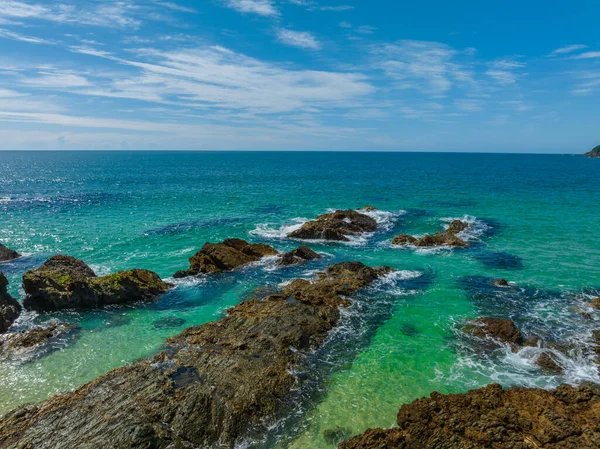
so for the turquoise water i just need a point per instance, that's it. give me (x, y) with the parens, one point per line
(534, 217)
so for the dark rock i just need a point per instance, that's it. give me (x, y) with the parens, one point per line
(7, 254)
(213, 385)
(169, 322)
(498, 329)
(501, 283)
(336, 435)
(447, 238)
(64, 282)
(300, 255)
(10, 309)
(225, 256)
(491, 417)
(24, 343)
(409, 330)
(500, 260)
(337, 226)
(593, 153)
(547, 361)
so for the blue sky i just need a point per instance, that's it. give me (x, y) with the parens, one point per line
(300, 74)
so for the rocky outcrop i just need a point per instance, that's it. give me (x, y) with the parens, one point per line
(10, 308)
(7, 254)
(500, 283)
(298, 256)
(447, 238)
(501, 330)
(593, 153)
(24, 344)
(337, 226)
(213, 385)
(225, 256)
(64, 282)
(491, 417)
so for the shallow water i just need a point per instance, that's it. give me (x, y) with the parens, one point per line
(535, 221)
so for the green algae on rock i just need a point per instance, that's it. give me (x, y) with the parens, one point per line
(492, 417)
(337, 226)
(64, 282)
(215, 384)
(10, 308)
(594, 152)
(225, 256)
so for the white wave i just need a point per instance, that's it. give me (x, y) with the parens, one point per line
(190, 281)
(266, 230)
(475, 231)
(385, 219)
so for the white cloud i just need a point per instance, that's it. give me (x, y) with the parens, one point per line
(567, 49)
(300, 39)
(505, 71)
(260, 7)
(587, 55)
(20, 37)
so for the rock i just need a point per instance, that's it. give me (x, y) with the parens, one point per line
(502, 330)
(337, 226)
(298, 256)
(336, 435)
(225, 256)
(213, 385)
(64, 282)
(593, 153)
(368, 209)
(25, 343)
(447, 238)
(500, 283)
(595, 303)
(547, 361)
(10, 309)
(7, 254)
(491, 417)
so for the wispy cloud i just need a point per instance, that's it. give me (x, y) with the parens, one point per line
(20, 37)
(587, 55)
(301, 39)
(260, 7)
(567, 49)
(505, 71)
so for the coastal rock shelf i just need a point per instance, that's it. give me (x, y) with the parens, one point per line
(336, 226)
(447, 238)
(491, 417)
(64, 282)
(9, 307)
(213, 385)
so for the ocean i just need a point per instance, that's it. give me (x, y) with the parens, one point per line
(534, 221)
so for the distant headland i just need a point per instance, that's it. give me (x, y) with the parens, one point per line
(594, 153)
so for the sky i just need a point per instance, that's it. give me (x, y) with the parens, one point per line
(369, 75)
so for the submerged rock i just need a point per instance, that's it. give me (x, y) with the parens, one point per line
(214, 384)
(169, 322)
(336, 435)
(593, 153)
(337, 226)
(26, 343)
(7, 254)
(225, 256)
(64, 282)
(10, 309)
(491, 417)
(298, 256)
(500, 283)
(502, 330)
(447, 238)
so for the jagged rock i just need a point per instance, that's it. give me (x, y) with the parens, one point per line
(491, 417)
(368, 209)
(447, 238)
(213, 385)
(548, 362)
(501, 283)
(498, 329)
(337, 226)
(24, 343)
(7, 254)
(225, 256)
(64, 282)
(300, 255)
(593, 153)
(10, 309)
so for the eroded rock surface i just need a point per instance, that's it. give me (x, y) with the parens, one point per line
(64, 282)
(491, 417)
(447, 238)
(502, 330)
(337, 226)
(10, 308)
(7, 254)
(24, 344)
(298, 256)
(225, 256)
(212, 386)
